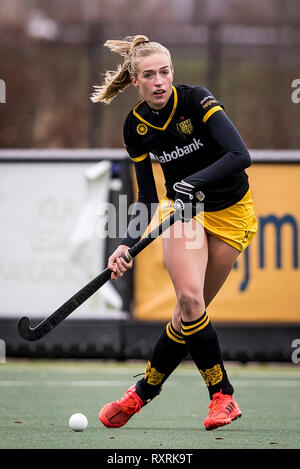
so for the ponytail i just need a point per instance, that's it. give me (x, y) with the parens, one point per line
(117, 81)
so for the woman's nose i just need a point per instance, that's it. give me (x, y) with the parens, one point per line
(158, 79)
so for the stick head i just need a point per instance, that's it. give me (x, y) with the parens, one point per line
(24, 328)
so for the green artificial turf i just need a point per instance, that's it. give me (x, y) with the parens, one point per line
(38, 397)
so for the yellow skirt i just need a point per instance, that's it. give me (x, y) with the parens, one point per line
(236, 225)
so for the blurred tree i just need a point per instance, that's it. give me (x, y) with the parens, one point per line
(51, 56)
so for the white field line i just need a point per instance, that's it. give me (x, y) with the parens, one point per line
(280, 383)
(112, 383)
(79, 383)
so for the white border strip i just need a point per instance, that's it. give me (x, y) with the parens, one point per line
(84, 154)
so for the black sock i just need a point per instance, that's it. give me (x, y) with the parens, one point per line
(203, 345)
(168, 353)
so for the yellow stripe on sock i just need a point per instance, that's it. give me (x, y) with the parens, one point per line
(191, 326)
(173, 335)
(195, 327)
(177, 334)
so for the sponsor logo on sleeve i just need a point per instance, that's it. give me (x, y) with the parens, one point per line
(206, 98)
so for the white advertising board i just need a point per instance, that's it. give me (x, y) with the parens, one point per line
(49, 238)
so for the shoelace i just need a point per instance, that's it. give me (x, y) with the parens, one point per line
(218, 398)
(132, 401)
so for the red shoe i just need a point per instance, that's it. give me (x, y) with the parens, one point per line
(222, 410)
(116, 414)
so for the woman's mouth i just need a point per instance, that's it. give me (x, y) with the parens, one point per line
(159, 92)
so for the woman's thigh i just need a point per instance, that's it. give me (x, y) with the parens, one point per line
(185, 257)
(221, 258)
(197, 272)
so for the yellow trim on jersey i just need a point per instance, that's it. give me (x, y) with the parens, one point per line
(140, 158)
(168, 121)
(211, 112)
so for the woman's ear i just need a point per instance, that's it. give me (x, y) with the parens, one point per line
(134, 82)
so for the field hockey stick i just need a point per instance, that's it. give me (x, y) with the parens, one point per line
(42, 329)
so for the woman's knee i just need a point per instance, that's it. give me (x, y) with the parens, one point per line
(190, 304)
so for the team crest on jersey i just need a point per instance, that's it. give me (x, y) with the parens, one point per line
(142, 129)
(185, 127)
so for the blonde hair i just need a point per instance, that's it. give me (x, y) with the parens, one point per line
(132, 48)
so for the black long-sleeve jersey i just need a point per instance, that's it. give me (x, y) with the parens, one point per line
(193, 140)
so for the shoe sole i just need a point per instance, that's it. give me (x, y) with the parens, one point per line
(221, 423)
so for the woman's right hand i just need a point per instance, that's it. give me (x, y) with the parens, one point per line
(117, 264)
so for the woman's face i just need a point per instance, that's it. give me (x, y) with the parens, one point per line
(154, 79)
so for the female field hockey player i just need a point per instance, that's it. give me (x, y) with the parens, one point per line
(204, 158)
